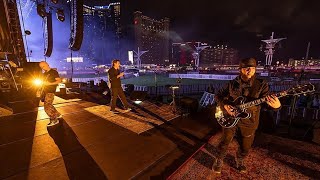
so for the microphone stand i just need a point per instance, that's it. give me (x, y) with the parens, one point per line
(178, 81)
(293, 108)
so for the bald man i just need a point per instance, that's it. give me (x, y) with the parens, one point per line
(51, 80)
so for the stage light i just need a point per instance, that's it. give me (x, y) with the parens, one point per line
(60, 15)
(37, 82)
(27, 32)
(41, 10)
(137, 102)
(54, 1)
(138, 96)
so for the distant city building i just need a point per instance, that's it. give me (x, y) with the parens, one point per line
(102, 32)
(219, 55)
(152, 35)
(182, 54)
(302, 62)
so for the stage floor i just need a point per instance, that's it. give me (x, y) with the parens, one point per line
(148, 142)
(92, 143)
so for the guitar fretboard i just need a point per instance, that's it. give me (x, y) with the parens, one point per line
(260, 101)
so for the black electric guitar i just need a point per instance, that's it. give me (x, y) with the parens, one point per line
(241, 106)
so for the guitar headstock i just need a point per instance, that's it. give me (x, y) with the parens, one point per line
(301, 89)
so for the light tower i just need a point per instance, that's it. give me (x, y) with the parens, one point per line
(138, 55)
(196, 54)
(270, 44)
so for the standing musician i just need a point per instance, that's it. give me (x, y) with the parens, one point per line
(116, 89)
(246, 85)
(51, 80)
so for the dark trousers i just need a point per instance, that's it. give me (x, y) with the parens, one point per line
(115, 92)
(245, 140)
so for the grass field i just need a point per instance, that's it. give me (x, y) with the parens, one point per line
(162, 80)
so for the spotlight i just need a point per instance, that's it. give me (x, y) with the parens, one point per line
(37, 82)
(138, 96)
(137, 102)
(54, 1)
(41, 10)
(60, 15)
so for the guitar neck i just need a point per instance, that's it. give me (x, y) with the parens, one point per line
(260, 101)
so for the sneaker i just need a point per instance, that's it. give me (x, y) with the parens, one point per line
(53, 122)
(217, 165)
(114, 111)
(241, 165)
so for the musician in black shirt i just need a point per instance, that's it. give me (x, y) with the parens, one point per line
(246, 85)
(50, 81)
(116, 89)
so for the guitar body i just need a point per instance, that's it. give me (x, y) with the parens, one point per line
(227, 121)
(240, 104)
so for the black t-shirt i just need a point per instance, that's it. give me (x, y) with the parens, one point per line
(113, 73)
(50, 76)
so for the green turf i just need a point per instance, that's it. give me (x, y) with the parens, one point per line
(162, 80)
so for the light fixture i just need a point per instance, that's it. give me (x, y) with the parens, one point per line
(137, 102)
(60, 15)
(27, 32)
(41, 10)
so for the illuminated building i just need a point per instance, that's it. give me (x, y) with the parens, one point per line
(152, 35)
(302, 62)
(102, 32)
(219, 55)
(182, 54)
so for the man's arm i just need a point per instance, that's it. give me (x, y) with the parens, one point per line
(222, 99)
(271, 100)
(222, 96)
(57, 78)
(113, 76)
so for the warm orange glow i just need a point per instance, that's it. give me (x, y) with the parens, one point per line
(37, 82)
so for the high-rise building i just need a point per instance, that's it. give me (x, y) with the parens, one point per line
(102, 32)
(219, 55)
(182, 54)
(152, 35)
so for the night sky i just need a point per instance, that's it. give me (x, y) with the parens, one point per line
(242, 24)
(239, 24)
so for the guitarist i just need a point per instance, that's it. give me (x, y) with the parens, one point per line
(247, 85)
(52, 79)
